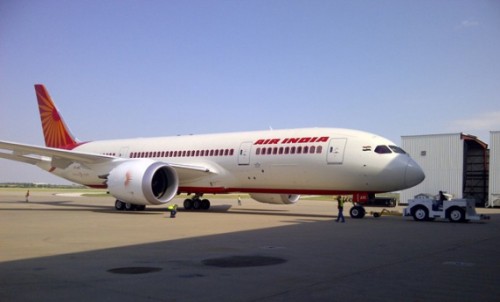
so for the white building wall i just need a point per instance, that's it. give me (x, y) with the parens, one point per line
(494, 182)
(441, 156)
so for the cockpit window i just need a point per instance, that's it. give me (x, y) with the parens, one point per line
(397, 149)
(382, 149)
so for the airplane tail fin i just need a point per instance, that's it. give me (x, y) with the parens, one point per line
(55, 130)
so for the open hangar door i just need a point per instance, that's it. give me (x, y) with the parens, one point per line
(475, 183)
(456, 163)
(494, 171)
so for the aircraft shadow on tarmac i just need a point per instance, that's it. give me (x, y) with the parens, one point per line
(320, 261)
(71, 205)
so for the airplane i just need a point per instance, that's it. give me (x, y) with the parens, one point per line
(272, 166)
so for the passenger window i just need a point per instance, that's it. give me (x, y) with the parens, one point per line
(312, 149)
(319, 150)
(382, 149)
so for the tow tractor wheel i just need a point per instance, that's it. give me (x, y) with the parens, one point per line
(420, 214)
(456, 214)
(357, 212)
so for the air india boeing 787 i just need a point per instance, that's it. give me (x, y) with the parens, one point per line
(273, 166)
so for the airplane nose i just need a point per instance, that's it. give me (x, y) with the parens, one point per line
(414, 174)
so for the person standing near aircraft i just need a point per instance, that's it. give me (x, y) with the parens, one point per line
(340, 216)
(173, 210)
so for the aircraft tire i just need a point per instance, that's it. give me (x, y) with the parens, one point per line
(196, 204)
(357, 212)
(188, 204)
(119, 205)
(205, 204)
(130, 206)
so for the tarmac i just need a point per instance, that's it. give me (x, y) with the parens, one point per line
(72, 248)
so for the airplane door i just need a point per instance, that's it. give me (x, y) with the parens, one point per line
(123, 152)
(244, 153)
(336, 149)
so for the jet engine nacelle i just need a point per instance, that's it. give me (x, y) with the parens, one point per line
(275, 198)
(143, 182)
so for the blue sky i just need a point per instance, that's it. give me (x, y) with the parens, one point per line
(120, 69)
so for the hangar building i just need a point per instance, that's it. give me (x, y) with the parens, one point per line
(494, 183)
(456, 163)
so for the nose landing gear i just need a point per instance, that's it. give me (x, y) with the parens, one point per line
(357, 212)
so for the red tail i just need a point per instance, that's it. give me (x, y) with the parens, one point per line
(55, 131)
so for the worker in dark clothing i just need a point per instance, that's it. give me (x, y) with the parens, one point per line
(442, 197)
(340, 216)
(439, 204)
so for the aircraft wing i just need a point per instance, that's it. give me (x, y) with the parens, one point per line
(33, 154)
(61, 158)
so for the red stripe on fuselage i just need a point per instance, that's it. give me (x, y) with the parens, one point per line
(222, 190)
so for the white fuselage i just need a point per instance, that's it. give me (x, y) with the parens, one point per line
(297, 161)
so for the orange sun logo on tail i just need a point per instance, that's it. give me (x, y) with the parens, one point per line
(55, 131)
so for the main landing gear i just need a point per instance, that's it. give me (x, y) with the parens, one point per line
(125, 206)
(357, 211)
(196, 203)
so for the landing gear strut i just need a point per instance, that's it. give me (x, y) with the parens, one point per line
(196, 203)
